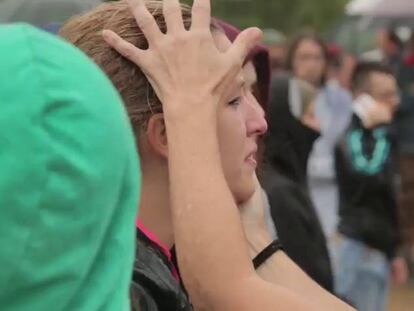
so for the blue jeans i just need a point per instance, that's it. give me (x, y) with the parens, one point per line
(361, 275)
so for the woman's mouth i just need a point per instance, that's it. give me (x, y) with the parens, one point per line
(251, 160)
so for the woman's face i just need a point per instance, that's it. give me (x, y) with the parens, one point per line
(309, 62)
(240, 124)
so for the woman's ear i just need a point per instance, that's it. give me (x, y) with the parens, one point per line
(157, 135)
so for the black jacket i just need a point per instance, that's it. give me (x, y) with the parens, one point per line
(365, 170)
(154, 287)
(287, 147)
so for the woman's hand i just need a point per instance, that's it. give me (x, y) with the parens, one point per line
(252, 213)
(184, 66)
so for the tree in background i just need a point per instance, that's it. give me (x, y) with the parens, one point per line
(289, 16)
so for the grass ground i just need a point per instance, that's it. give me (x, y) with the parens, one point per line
(402, 298)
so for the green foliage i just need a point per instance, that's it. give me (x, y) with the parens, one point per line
(288, 16)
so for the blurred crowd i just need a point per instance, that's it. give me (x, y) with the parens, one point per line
(356, 170)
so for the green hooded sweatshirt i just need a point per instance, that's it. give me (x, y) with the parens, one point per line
(69, 179)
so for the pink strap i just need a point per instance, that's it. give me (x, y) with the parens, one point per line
(150, 235)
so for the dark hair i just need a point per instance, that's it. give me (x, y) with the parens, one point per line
(394, 38)
(335, 55)
(363, 70)
(294, 45)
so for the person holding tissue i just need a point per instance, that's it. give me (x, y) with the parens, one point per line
(366, 248)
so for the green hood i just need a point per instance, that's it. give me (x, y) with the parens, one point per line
(69, 179)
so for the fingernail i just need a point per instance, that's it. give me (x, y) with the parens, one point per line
(106, 35)
(257, 33)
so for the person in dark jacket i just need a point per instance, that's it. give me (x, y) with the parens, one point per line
(365, 165)
(310, 59)
(156, 284)
(240, 123)
(292, 132)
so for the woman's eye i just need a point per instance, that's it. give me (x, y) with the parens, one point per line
(235, 102)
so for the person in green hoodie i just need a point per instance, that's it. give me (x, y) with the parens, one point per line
(69, 183)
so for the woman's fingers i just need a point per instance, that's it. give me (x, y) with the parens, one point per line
(201, 15)
(145, 21)
(123, 47)
(244, 43)
(173, 16)
(185, 64)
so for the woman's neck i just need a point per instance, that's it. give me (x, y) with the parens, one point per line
(154, 211)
